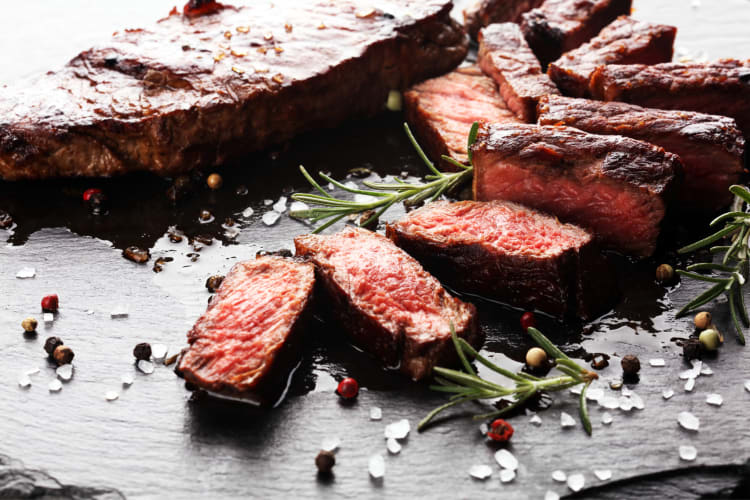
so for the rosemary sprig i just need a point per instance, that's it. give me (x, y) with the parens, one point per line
(467, 386)
(729, 276)
(330, 209)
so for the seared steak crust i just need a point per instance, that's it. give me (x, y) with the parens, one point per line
(711, 147)
(509, 253)
(485, 12)
(196, 91)
(386, 301)
(624, 41)
(615, 186)
(507, 58)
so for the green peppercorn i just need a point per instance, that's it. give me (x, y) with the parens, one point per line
(710, 339)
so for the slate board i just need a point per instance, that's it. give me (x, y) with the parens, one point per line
(154, 442)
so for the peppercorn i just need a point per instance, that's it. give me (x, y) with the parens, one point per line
(348, 388)
(664, 273)
(50, 303)
(98, 203)
(63, 355)
(51, 344)
(536, 357)
(599, 361)
(630, 365)
(214, 282)
(214, 181)
(702, 320)
(710, 339)
(29, 325)
(90, 192)
(142, 351)
(500, 431)
(137, 255)
(528, 320)
(691, 349)
(325, 461)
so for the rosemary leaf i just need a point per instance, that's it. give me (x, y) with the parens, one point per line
(701, 277)
(709, 239)
(735, 319)
(702, 299)
(741, 191)
(584, 410)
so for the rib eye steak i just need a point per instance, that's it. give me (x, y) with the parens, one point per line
(217, 82)
(485, 12)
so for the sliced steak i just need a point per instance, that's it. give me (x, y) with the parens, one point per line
(509, 253)
(441, 111)
(710, 147)
(624, 41)
(243, 342)
(719, 88)
(614, 186)
(386, 301)
(559, 26)
(507, 58)
(197, 90)
(485, 12)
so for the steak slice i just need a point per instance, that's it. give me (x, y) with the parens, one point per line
(624, 41)
(386, 301)
(509, 253)
(710, 147)
(241, 343)
(507, 58)
(196, 91)
(718, 88)
(614, 186)
(485, 12)
(559, 26)
(442, 110)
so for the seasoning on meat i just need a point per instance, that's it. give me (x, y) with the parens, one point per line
(710, 147)
(614, 186)
(387, 303)
(442, 110)
(506, 57)
(718, 88)
(485, 12)
(624, 41)
(244, 343)
(507, 252)
(559, 26)
(181, 94)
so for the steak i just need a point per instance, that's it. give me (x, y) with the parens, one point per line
(559, 26)
(197, 90)
(719, 88)
(624, 41)
(242, 343)
(485, 12)
(507, 58)
(386, 301)
(442, 110)
(509, 253)
(710, 147)
(615, 186)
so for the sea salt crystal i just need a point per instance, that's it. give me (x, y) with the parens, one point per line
(351, 185)
(714, 399)
(603, 474)
(690, 385)
(376, 466)
(691, 373)
(248, 212)
(24, 381)
(267, 202)
(559, 476)
(376, 413)
(127, 379)
(667, 393)
(688, 421)
(607, 418)
(566, 420)
(397, 430)
(576, 390)
(638, 403)
(26, 273)
(298, 206)
(65, 372)
(484, 428)
(626, 391)
(158, 351)
(706, 370)
(507, 475)
(626, 404)
(609, 402)
(656, 362)
(331, 443)
(280, 206)
(48, 318)
(330, 186)
(535, 420)
(576, 482)
(270, 218)
(506, 460)
(551, 495)
(55, 386)
(394, 448)
(111, 395)
(146, 367)
(688, 453)
(480, 471)
(595, 394)
(119, 312)
(33, 371)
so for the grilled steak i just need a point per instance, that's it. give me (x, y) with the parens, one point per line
(507, 58)
(388, 304)
(559, 26)
(441, 111)
(510, 253)
(240, 343)
(710, 147)
(719, 88)
(194, 91)
(614, 186)
(485, 12)
(624, 41)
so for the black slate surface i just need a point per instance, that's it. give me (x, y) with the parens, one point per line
(154, 442)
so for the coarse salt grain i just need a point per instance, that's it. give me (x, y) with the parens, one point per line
(280, 206)
(248, 212)
(656, 362)
(609, 402)
(330, 443)
(607, 418)
(111, 395)
(688, 453)
(376, 413)
(667, 393)
(638, 403)
(714, 399)
(268, 202)
(690, 385)
(393, 446)
(55, 386)
(26, 273)
(507, 475)
(480, 471)
(566, 420)
(688, 421)
(298, 206)
(535, 420)
(24, 381)
(706, 370)
(506, 460)
(146, 367)
(376, 466)
(158, 351)
(127, 379)
(397, 430)
(603, 474)
(33, 371)
(119, 312)
(65, 372)
(595, 394)
(551, 495)
(559, 476)
(271, 218)
(48, 318)
(576, 482)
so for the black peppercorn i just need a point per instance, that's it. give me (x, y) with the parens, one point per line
(691, 349)
(631, 365)
(63, 355)
(142, 351)
(51, 344)
(214, 282)
(325, 462)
